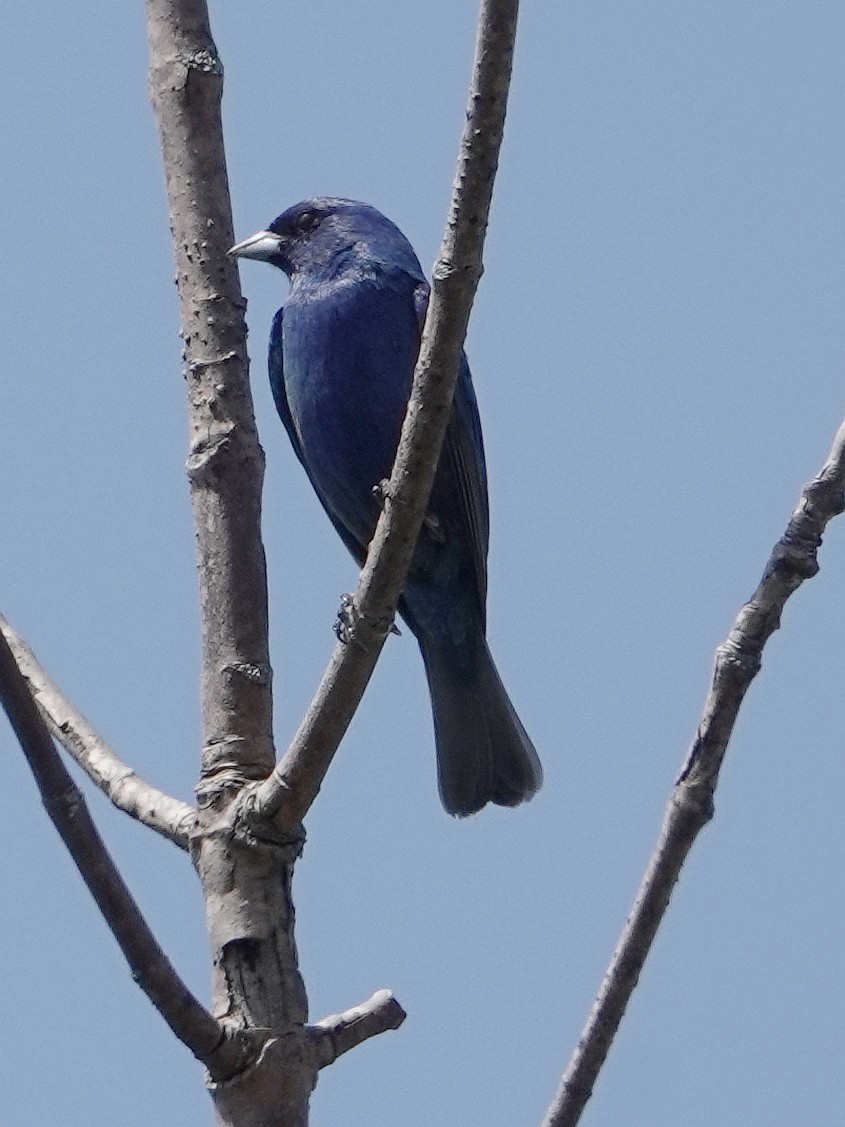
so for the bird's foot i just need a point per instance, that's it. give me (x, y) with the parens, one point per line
(344, 624)
(381, 491)
(349, 618)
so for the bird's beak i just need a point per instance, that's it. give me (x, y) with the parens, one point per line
(263, 245)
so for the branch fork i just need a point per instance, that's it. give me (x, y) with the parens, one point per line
(245, 834)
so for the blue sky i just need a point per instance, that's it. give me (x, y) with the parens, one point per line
(658, 348)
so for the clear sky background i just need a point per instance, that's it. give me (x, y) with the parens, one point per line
(658, 347)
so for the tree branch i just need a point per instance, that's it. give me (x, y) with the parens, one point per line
(337, 1034)
(226, 463)
(296, 780)
(738, 660)
(246, 878)
(168, 816)
(151, 969)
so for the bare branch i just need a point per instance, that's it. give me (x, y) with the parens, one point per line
(339, 1033)
(151, 969)
(168, 816)
(246, 879)
(738, 660)
(296, 780)
(226, 463)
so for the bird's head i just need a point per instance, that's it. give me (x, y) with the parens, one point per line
(324, 236)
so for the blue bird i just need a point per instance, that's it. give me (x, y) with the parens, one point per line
(342, 356)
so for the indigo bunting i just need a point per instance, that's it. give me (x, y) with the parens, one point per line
(342, 356)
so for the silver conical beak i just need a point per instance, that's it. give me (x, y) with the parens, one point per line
(263, 245)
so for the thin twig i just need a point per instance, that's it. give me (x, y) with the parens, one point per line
(151, 969)
(738, 660)
(295, 782)
(168, 816)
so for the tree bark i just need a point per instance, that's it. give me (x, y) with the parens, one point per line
(246, 881)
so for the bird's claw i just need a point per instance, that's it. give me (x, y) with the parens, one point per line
(381, 491)
(349, 618)
(344, 624)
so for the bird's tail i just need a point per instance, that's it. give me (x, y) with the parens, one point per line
(483, 752)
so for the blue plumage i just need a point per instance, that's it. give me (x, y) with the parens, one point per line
(342, 356)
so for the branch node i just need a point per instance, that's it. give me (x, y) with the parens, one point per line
(205, 453)
(447, 269)
(225, 771)
(241, 822)
(444, 269)
(255, 829)
(738, 657)
(794, 555)
(204, 60)
(259, 673)
(200, 365)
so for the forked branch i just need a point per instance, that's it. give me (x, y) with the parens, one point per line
(150, 967)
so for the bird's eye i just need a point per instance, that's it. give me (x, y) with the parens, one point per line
(306, 221)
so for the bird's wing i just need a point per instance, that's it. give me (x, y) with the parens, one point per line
(276, 366)
(460, 488)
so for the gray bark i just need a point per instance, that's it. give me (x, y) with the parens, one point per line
(246, 880)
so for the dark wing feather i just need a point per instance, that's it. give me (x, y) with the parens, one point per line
(276, 367)
(462, 474)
